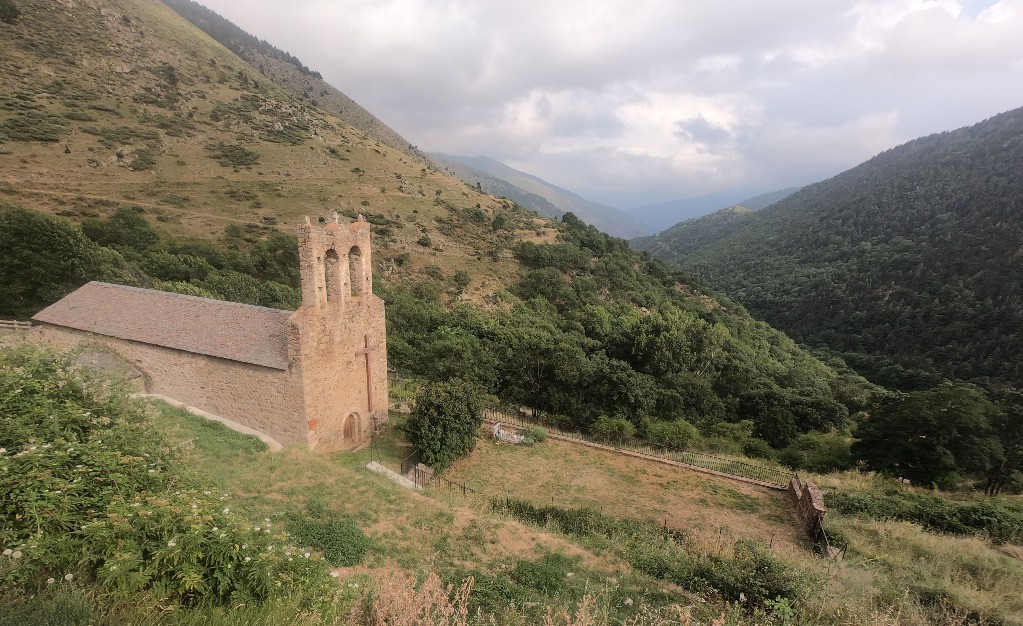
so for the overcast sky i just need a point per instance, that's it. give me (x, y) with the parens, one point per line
(642, 101)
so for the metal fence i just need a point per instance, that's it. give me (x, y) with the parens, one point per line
(766, 476)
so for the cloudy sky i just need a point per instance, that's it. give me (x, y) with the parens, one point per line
(631, 102)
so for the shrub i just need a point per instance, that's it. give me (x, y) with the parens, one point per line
(33, 126)
(91, 492)
(233, 155)
(612, 430)
(758, 449)
(676, 434)
(548, 575)
(342, 542)
(9, 12)
(444, 422)
(534, 435)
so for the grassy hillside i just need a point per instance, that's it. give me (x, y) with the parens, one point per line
(181, 519)
(907, 265)
(122, 104)
(187, 170)
(289, 73)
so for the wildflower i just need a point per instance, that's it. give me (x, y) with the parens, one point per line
(8, 552)
(50, 581)
(69, 577)
(334, 574)
(3, 450)
(306, 555)
(215, 529)
(171, 543)
(226, 510)
(257, 529)
(248, 558)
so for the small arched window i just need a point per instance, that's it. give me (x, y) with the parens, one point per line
(357, 272)
(332, 274)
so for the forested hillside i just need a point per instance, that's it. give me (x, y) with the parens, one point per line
(909, 265)
(172, 164)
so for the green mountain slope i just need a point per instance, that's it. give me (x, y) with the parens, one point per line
(909, 264)
(494, 185)
(171, 163)
(608, 219)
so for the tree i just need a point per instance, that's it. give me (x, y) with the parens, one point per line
(1007, 471)
(125, 229)
(931, 436)
(444, 422)
(42, 259)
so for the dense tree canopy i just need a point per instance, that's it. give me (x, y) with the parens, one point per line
(908, 265)
(932, 436)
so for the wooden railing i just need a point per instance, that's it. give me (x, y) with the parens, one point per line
(14, 325)
(708, 463)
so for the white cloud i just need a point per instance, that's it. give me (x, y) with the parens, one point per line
(677, 97)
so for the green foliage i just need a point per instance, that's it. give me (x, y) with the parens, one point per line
(125, 229)
(535, 435)
(677, 434)
(233, 155)
(92, 493)
(931, 436)
(34, 126)
(342, 543)
(612, 429)
(988, 517)
(906, 265)
(144, 160)
(444, 422)
(749, 573)
(598, 330)
(548, 575)
(42, 259)
(818, 452)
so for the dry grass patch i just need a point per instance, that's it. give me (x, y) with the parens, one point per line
(712, 510)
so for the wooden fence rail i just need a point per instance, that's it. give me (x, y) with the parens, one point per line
(699, 461)
(14, 325)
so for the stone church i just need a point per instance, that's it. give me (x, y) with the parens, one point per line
(316, 376)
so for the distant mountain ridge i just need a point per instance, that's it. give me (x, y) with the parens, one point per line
(908, 265)
(493, 185)
(696, 233)
(608, 219)
(289, 73)
(663, 215)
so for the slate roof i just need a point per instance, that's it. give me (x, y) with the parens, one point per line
(229, 330)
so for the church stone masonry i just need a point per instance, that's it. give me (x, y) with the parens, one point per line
(316, 376)
(338, 337)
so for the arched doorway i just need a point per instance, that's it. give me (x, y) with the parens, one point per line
(351, 431)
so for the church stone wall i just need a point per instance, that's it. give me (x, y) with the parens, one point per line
(263, 398)
(340, 322)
